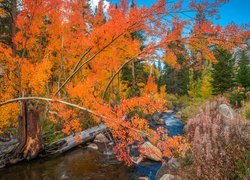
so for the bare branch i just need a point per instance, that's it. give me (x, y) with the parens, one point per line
(87, 61)
(51, 100)
(113, 77)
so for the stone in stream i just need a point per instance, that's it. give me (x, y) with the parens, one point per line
(160, 122)
(143, 178)
(108, 152)
(151, 152)
(101, 138)
(168, 111)
(92, 146)
(170, 177)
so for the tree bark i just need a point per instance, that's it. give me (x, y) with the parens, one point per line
(72, 141)
(29, 132)
(133, 77)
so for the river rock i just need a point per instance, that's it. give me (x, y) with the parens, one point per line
(227, 112)
(170, 177)
(156, 116)
(151, 152)
(174, 163)
(160, 122)
(169, 111)
(101, 138)
(143, 178)
(92, 146)
(178, 115)
(108, 152)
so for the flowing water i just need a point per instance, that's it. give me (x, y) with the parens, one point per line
(83, 163)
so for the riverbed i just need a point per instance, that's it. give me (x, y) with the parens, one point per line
(83, 163)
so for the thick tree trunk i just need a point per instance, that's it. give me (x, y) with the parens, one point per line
(29, 132)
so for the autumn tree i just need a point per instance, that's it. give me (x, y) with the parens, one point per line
(67, 53)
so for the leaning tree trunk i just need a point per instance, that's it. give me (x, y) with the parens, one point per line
(29, 132)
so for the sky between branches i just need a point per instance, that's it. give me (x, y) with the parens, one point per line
(236, 11)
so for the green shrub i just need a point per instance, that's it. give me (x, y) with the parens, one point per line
(243, 167)
(236, 98)
(171, 100)
(191, 107)
(247, 110)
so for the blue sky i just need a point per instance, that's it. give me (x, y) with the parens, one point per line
(237, 11)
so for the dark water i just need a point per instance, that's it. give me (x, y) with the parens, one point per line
(76, 164)
(87, 164)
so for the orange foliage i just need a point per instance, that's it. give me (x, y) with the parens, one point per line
(53, 37)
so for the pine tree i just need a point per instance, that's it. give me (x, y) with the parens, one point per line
(223, 72)
(243, 73)
(176, 80)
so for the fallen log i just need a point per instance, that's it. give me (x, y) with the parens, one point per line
(72, 141)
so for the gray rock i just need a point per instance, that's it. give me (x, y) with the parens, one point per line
(174, 162)
(227, 112)
(170, 177)
(168, 111)
(143, 178)
(108, 152)
(151, 152)
(92, 146)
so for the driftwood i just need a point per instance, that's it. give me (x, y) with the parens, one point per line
(72, 141)
(9, 156)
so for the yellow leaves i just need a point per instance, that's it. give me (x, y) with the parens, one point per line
(35, 76)
(171, 59)
(206, 85)
(9, 114)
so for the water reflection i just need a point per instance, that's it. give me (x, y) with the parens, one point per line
(76, 164)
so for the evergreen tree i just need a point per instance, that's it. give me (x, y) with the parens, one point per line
(223, 72)
(141, 77)
(176, 80)
(7, 22)
(243, 73)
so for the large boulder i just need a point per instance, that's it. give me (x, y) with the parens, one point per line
(227, 112)
(151, 152)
